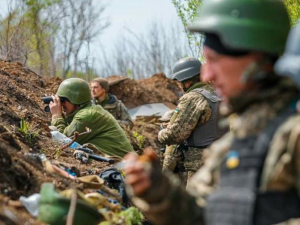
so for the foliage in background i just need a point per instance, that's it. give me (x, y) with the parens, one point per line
(52, 37)
(293, 7)
(187, 11)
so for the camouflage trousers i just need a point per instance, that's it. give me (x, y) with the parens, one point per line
(191, 160)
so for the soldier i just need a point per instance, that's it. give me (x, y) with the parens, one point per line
(252, 173)
(195, 119)
(99, 89)
(74, 97)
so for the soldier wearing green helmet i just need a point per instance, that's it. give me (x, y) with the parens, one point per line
(196, 124)
(72, 111)
(251, 175)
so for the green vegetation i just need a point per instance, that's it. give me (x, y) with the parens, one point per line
(139, 138)
(187, 11)
(28, 130)
(293, 7)
(49, 35)
(130, 216)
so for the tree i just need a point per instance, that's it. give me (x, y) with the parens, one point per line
(140, 55)
(293, 7)
(50, 35)
(187, 11)
(80, 25)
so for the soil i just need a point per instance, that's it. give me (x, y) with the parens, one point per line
(20, 101)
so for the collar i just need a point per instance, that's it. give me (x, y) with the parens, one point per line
(196, 85)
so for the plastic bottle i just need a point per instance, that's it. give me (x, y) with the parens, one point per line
(31, 203)
(63, 139)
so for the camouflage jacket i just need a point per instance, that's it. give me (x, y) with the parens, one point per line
(166, 202)
(193, 110)
(116, 108)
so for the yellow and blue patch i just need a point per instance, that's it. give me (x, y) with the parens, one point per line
(232, 160)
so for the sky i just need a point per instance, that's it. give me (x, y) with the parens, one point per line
(135, 15)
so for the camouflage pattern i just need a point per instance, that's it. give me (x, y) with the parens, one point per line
(170, 161)
(166, 202)
(193, 109)
(115, 107)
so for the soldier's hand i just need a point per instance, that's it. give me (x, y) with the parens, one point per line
(55, 106)
(136, 174)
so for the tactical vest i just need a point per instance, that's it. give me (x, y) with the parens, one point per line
(205, 134)
(237, 201)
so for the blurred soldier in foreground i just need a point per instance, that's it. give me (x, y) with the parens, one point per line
(193, 126)
(74, 97)
(252, 173)
(99, 89)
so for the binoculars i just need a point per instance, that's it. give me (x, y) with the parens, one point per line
(46, 100)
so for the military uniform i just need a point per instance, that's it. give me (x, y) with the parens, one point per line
(194, 110)
(116, 108)
(279, 173)
(106, 134)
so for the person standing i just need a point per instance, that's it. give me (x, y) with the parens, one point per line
(252, 174)
(196, 117)
(99, 90)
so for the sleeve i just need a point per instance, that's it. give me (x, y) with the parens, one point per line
(69, 130)
(193, 109)
(124, 115)
(167, 202)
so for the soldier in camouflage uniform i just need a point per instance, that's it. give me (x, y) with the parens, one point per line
(252, 175)
(99, 90)
(195, 126)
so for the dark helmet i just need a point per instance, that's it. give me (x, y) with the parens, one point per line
(76, 90)
(186, 68)
(289, 63)
(259, 25)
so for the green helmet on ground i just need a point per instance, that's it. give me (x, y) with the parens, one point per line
(76, 90)
(255, 25)
(186, 69)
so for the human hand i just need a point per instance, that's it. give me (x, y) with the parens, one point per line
(55, 106)
(137, 173)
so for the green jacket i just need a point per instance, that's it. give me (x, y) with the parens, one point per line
(106, 134)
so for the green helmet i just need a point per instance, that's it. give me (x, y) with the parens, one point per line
(255, 25)
(76, 90)
(186, 68)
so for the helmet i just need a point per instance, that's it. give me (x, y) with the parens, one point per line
(289, 63)
(76, 90)
(259, 25)
(186, 68)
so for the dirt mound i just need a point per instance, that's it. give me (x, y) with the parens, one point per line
(20, 103)
(156, 89)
